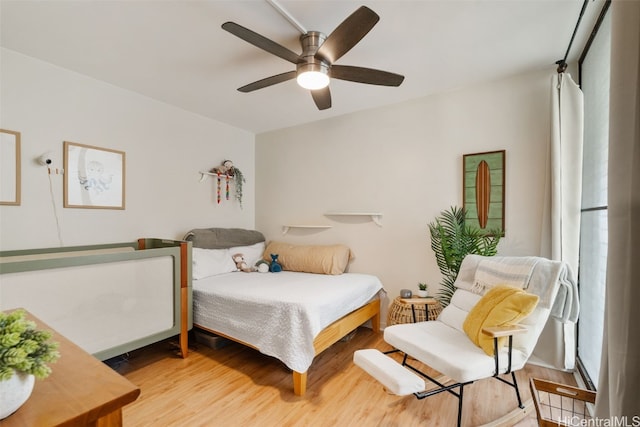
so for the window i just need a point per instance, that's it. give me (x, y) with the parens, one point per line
(594, 81)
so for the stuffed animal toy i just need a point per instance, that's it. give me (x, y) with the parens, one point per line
(262, 266)
(275, 265)
(226, 168)
(240, 263)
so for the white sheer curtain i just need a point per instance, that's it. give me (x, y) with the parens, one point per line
(620, 366)
(556, 346)
(567, 128)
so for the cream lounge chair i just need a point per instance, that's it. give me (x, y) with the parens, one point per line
(492, 295)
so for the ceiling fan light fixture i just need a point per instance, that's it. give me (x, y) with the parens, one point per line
(313, 80)
(315, 66)
(313, 76)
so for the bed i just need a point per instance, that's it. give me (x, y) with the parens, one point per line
(289, 315)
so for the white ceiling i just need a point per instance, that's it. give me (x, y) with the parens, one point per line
(176, 52)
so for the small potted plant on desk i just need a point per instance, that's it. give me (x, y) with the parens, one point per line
(24, 355)
(422, 290)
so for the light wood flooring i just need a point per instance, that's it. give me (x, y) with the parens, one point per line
(238, 386)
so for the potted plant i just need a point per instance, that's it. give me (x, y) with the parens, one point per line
(25, 353)
(422, 290)
(452, 240)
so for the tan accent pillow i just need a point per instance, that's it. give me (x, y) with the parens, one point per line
(502, 305)
(321, 259)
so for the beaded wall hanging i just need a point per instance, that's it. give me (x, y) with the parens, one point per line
(226, 172)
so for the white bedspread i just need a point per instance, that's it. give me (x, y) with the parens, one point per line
(279, 313)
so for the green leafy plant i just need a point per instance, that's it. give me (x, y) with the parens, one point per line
(422, 286)
(239, 180)
(452, 240)
(23, 348)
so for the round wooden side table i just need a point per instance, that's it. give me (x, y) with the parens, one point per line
(411, 310)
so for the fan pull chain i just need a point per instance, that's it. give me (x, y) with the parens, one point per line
(227, 187)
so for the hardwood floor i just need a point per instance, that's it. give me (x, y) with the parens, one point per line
(238, 386)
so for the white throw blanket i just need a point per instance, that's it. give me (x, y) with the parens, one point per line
(564, 297)
(512, 271)
(551, 280)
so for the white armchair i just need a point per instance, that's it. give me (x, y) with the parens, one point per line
(444, 345)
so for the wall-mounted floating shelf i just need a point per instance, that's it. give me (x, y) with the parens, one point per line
(285, 228)
(376, 217)
(205, 175)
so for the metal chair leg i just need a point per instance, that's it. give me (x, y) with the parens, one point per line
(515, 385)
(460, 405)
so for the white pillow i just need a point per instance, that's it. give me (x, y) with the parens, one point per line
(209, 262)
(252, 253)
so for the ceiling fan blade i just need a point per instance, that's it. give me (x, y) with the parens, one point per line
(261, 42)
(365, 75)
(269, 81)
(322, 98)
(347, 34)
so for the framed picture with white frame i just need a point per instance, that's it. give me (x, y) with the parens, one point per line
(94, 177)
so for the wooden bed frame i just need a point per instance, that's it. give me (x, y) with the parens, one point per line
(327, 337)
(219, 238)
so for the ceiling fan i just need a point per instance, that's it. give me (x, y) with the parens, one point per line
(316, 64)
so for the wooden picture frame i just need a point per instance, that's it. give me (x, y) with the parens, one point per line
(94, 177)
(483, 190)
(10, 172)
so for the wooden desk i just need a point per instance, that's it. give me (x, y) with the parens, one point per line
(81, 391)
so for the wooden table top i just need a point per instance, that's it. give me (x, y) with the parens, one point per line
(80, 390)
(418, 300)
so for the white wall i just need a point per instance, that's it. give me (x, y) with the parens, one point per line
(405, 161)
(165, 148)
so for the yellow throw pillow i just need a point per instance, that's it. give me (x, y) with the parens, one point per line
(501, 306)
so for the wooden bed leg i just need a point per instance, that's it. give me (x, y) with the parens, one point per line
(299, 383)
(375, 323)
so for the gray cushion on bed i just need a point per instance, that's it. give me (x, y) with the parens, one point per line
(221, 238)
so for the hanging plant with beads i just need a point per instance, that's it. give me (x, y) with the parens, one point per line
(228, 171)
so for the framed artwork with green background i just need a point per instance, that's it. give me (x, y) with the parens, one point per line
(483, 190)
